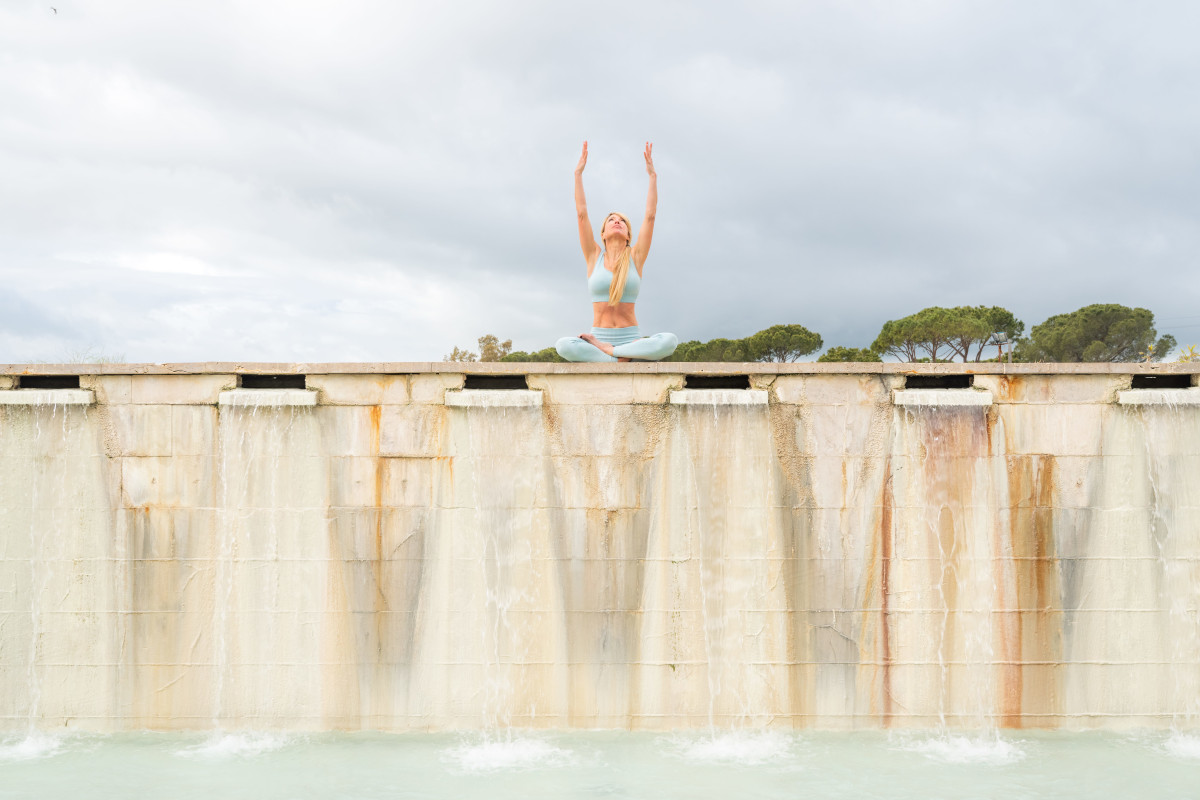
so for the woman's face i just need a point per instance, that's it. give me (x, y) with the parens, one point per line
(614, 226)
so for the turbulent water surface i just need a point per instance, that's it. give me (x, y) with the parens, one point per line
(600, 765)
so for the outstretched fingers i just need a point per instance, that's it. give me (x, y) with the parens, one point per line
(582, 159)
(649, 157)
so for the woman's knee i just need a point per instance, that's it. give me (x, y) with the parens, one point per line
(568, 347)
(572, 348)
(664, 344)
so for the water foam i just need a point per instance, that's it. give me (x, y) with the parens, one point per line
(35, 745)
(958, 749)
(733, 747)
(495, 755)
(1183, 745)
(235, 745)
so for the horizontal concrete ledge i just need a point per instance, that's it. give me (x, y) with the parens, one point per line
(1159, 397)
(941, 397)
(718, 397)
(259, 398)
(493, 398)
(635, 368)
(47, 397)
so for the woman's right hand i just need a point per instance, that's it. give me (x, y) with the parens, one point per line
(582, 160)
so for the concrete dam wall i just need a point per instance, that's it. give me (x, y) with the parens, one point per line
(650, 546)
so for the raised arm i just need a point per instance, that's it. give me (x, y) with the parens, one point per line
(641, 247)
(587, 239)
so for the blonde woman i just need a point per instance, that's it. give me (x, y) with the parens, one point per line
(614, 278)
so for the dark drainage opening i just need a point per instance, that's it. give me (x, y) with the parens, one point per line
(716, 382)
(1161, 382)
(272, 382)
(48, 382)
(495, 382)
(938, 381)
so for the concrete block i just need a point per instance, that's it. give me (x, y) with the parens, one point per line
(193, 430)
(431, 388)
(180, 389)
(605, 389)
(356, 481)
(1067, 430)
(109, 389)
(350, 430)
(142, 430)
(180, 481)
(360, 390)
(406, 482)
(417, 430)
(834, 389)
(7, 382)
(1086, 388)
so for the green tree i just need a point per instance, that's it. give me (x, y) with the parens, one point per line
(841, 354)
(782, 343)
(974, 326)
(548, 354)
(943, 333)
(492, 349)
(712, 350)
(460, 355)
(998, 320)
(1096, 333)
(929, 331)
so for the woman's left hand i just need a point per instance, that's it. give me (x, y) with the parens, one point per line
(650, 159)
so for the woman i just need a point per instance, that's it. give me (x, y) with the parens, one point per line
(613, 285)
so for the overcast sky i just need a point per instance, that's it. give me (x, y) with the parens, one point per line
(360, 181)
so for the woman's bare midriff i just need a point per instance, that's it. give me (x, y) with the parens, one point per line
(619, 316)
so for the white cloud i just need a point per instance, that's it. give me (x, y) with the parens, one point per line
(383, 181)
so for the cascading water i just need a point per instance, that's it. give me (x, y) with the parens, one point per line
(947, 551)
(57, 493)
(490, 634)
(271, 557)
(1171, 441)
(718, 560)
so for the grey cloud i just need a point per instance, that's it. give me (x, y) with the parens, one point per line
(389, 180)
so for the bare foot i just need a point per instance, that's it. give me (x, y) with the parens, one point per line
(603, 347)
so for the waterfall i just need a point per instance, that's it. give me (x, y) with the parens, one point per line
(270, 598)
(60, 572)
(715, 601)
(942, 586)
(490, 633)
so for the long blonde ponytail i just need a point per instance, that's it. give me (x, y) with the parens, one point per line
(621, 268)
(620, 273)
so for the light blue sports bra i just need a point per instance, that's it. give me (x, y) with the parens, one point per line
(600, 281)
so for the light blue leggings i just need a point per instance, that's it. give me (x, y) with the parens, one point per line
(626, 342)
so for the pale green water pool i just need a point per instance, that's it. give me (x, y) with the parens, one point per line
(601, 765)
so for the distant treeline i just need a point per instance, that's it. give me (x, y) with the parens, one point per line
(1102, 332)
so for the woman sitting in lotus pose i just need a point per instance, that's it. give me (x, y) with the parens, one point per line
(613, 284)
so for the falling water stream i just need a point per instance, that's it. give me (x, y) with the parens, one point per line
(1171, 440)
(948, 520)
(57, 492)
(728, 458)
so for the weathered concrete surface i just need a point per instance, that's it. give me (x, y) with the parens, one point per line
(386, 559)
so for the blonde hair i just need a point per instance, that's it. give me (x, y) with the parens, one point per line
(621, 268)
